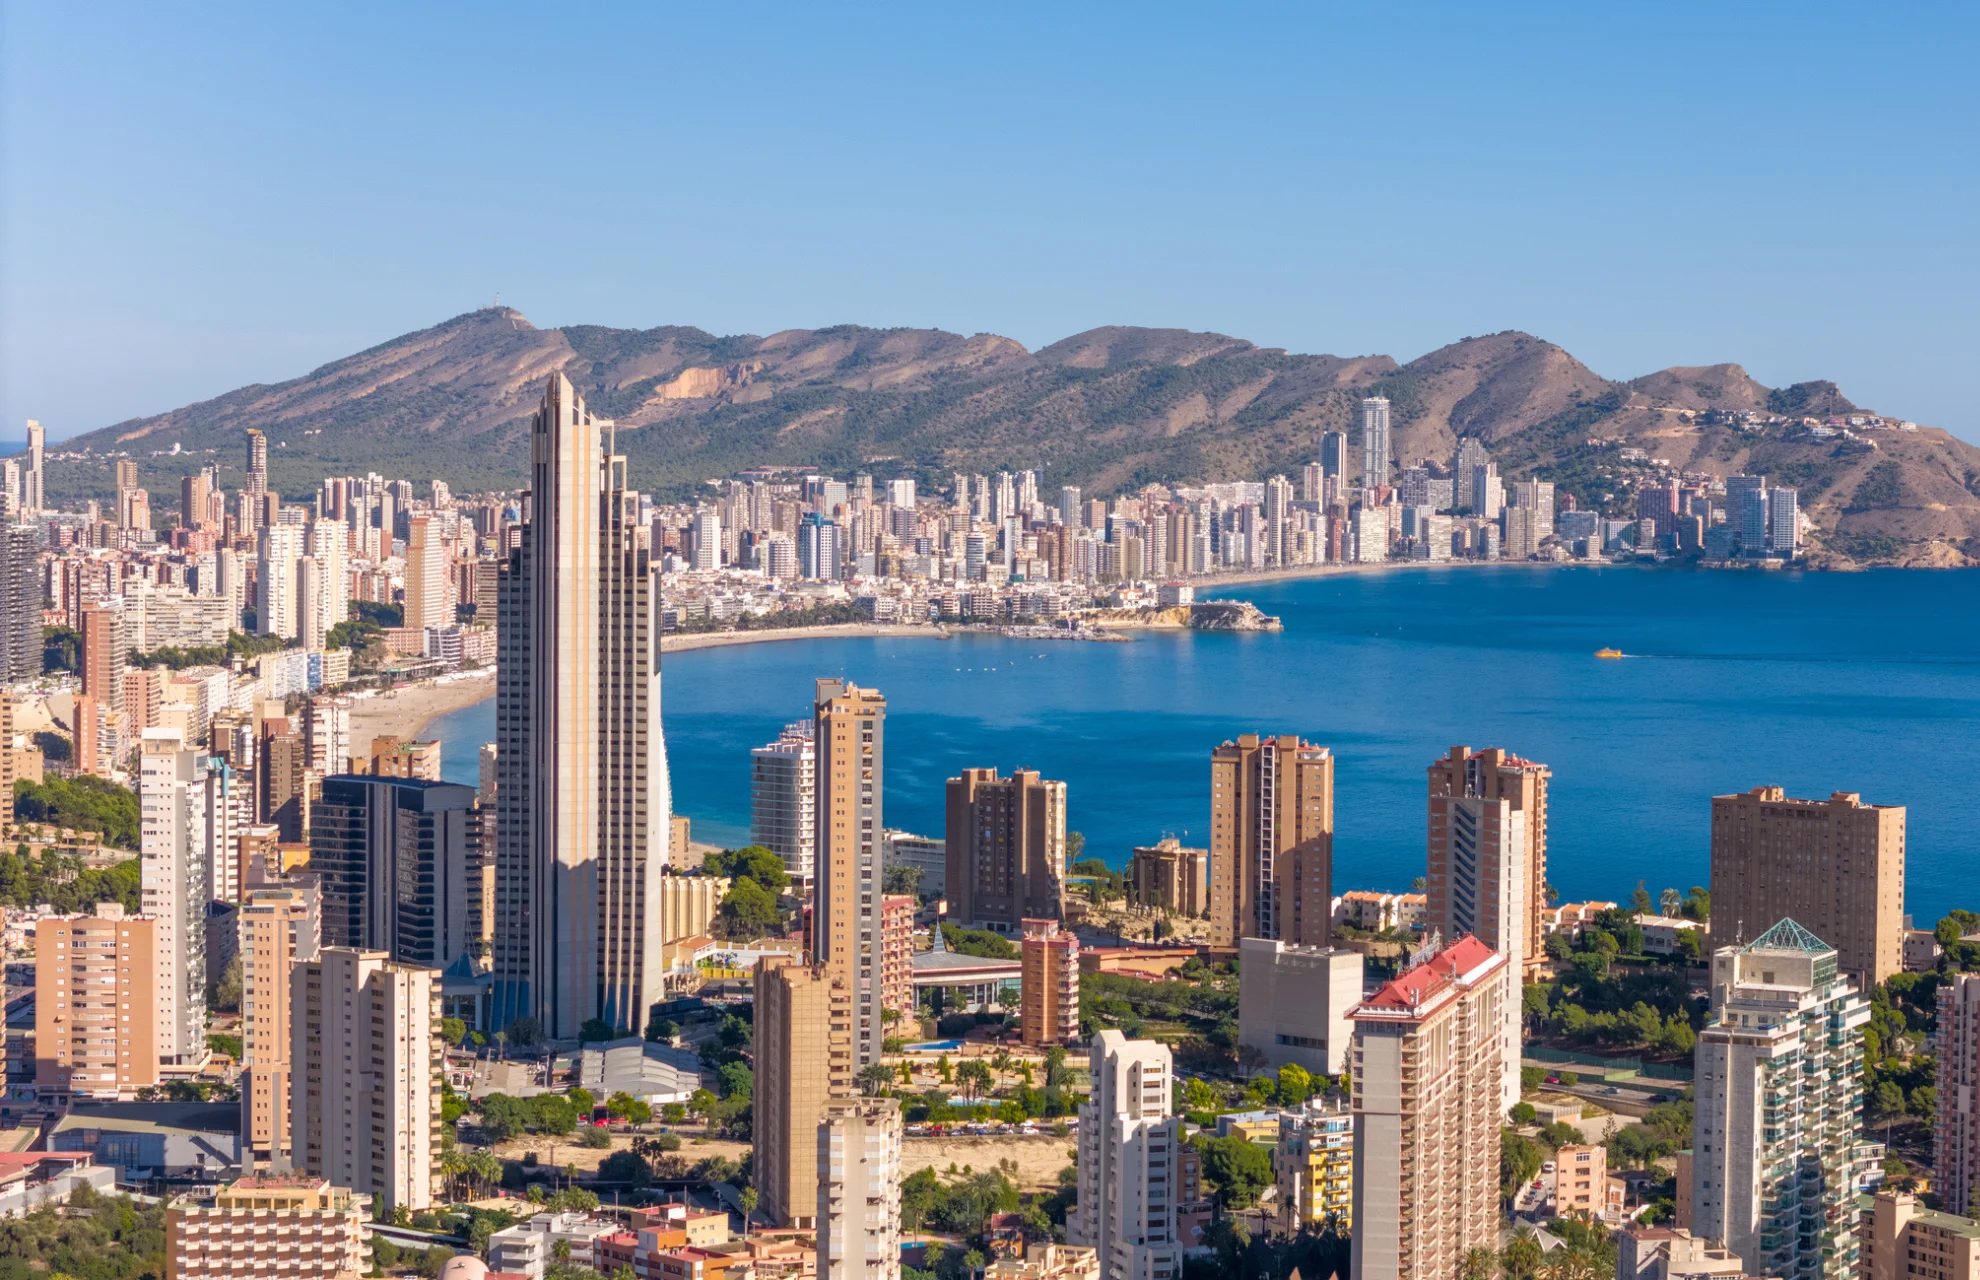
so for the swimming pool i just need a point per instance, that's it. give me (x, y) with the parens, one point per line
(933, 1046)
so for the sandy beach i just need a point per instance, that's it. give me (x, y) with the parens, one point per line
(863, 630)
(405, 711)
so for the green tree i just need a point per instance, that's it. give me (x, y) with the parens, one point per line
(1236, 1169)
(1295, 1084)
(1519, 1161)
(1522, 1255)
(751, 862)
(973, 1078)
(748, 911)
(453, 1031)
(1888, 1099)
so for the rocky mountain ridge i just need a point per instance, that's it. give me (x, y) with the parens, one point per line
(1109, 409)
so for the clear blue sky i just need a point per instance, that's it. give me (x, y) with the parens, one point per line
(199, 199)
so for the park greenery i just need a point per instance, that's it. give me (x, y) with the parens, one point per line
(62, 881)
(239, 644)
(85, 803)
(93, 1237)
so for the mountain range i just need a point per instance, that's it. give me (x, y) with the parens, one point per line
(1109, 409)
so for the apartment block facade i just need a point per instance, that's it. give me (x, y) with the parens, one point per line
(1048, 984)
(96, 1005)
(1128, 1160)
(849, 729)
(1956, 1135)
(805, 1057)
(1780, 1107)
(279, 927)
(1836, 866)
(365, 1062)
(1488, 851)
(1006, 856)
(859, 1189)
(1271, 841)
(1428, 1062)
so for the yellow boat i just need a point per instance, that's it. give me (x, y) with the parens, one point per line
(1608, 653)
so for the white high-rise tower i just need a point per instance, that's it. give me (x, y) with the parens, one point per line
(1374, 441)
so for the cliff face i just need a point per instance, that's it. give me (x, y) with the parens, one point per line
(1109, 409)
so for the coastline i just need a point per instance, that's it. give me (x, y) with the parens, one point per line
(406, 711)
(721, 639)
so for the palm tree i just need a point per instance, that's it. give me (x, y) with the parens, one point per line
(1522, 1255)
(1477, 1264)
(873, 1077)
(501, 1040)
(748, 1202)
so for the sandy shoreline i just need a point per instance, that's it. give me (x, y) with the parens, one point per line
(404, 712)
(721, 639)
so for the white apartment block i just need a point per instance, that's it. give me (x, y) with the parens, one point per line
(859, 1190)
(365, 1074)
(178, 796)
(1128, 1162)
(1293, 1003)
(783, 797)
(1779, 1107)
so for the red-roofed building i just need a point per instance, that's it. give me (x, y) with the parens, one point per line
(1430, 1060)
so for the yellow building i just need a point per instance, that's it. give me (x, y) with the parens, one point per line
(1314, 1165)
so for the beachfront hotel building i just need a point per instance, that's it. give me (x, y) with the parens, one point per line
(1836, 866)
(1428, 1063)
(849, 728)
(1780, 1107)
(1271, 841)
(582, 794)
(1006, 854)
(1129, 1161)
(1488, 851)
(783, 797)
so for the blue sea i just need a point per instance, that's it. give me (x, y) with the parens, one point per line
(1864, 682)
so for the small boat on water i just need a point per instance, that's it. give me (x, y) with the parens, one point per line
(1608, 653)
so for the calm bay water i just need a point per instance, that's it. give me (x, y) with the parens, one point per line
(1819, 682)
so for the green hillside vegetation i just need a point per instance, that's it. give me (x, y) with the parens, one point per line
(85, 803)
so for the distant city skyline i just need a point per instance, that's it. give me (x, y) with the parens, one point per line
(1345, 183)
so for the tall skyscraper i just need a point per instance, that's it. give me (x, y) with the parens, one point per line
(1333, 454)
(278, 605)
(1956, 1135)
(1006, 849)
(365, 1062)
(1780, 1107)
(1271, 841)
(195, 498)
(803, 1049)
(859, 1190)
(783, 799)
(257, 462)
(583, 801)
(1835, 865)
(850, 733)
(34, 479)
(1783, 522)
(279, 928)
(1429, 1062)
(426, 575)
(86, 967)
(1488, 851)
(706, 553)
(392, 855)
(819, 549)
(100, 710)
(20, 603)
(1375, 448)
(1069, 514)
(1130, 1148)
(177, 801)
